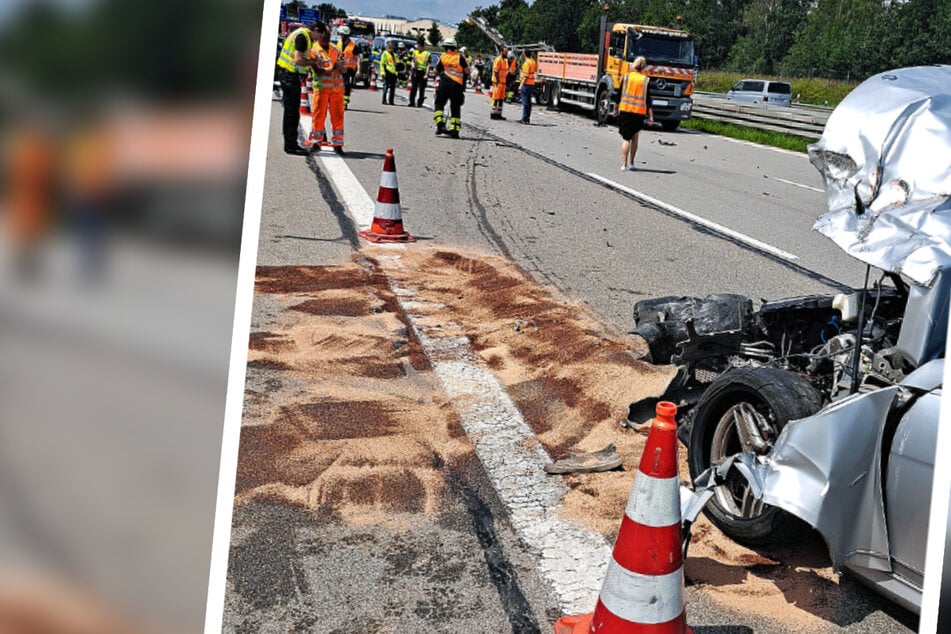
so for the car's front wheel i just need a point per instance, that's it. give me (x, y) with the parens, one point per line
(743, 411)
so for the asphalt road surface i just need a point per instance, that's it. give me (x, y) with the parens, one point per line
(700, 215)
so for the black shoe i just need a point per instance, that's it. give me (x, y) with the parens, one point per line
(296, 151)
(391, 103)
(495, 116)
(502, 118)
(454, 134)
(440, 129)
(409, 105)
(338, 149)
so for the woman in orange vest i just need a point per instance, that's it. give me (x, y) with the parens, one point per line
(634, 107)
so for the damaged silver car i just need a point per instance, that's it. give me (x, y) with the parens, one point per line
(824, 409)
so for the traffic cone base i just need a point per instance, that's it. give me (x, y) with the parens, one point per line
(580, 624)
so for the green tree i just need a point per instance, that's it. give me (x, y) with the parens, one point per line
(471, 36)
(433, 35)
(838, 40)
(556, 22)
(769, 29)
(328, 12)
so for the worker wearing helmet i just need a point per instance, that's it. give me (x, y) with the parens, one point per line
(453, 69)
(348, 50)
(500, 73)
(511, 82)
(420, 67)
(328, 92)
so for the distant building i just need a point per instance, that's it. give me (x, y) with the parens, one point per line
(402, 26)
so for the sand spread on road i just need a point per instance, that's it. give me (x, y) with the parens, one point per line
(343, 413)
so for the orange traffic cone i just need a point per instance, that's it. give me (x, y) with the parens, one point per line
(373, 78)
(644, 586)
(305, 98)
(387, 218)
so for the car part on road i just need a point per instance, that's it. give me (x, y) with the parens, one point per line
(602, 460)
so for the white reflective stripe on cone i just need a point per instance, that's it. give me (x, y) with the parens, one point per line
(388, 180)
(654, 501)
(643, 598)
(387, 211)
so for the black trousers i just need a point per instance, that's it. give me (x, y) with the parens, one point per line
(349, 78)
(389, 86)
(454, 93)
(290, 87)
(419, 83)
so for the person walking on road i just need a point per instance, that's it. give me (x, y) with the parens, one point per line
(388, 71)
(453, 68)
(500, 73)
(328, 92)
(348, 49)
(528, 87)
(634, 107)
(293, 67)
(421, 59)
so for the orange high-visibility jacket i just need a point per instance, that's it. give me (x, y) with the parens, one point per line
(451, 66)
(349, 53)
(528, 72)
(634, 93)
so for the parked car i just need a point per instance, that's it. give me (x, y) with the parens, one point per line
(762, 91)
(824, 409)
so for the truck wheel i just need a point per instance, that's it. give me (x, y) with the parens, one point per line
(602, 106)
(744, 410)
(670, 126)
(543, 96)
(556, 96)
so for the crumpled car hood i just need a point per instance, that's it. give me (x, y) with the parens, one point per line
(885, 157)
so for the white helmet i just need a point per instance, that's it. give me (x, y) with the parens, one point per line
(344, 30)
(462, 50)
(449, 41)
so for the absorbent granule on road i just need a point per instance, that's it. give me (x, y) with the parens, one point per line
(347, 430)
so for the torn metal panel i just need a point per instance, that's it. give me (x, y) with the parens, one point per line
(885, 157)
(826, 470)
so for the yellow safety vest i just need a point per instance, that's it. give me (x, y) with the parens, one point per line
(349, 54)
(422, 59)
(286, 58)
(388, 62)
(451, 66)
(528, 72)
(326, 59)
(634, 97)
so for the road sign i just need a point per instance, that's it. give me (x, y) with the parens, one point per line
(308, 15)
(283, 13)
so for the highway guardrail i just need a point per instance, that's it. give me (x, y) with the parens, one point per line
(807, 122)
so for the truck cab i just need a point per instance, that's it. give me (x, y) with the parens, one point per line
(670, 66)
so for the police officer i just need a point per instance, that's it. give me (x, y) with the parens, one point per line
(420, 65)
(293, 67)
(454, 69)
(388, 71)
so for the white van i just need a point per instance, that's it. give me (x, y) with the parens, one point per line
(762, 91)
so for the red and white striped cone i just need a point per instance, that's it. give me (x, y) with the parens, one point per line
(373, 78)
(304, 98)
(387, 217)
(644, 587)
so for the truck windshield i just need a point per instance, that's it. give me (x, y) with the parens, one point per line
(657, 49)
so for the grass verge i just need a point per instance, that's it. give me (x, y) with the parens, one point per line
(814, 90)
(763, 137)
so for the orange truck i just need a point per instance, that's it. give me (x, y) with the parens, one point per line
(593, 81)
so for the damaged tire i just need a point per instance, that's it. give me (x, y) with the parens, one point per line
(744, 410)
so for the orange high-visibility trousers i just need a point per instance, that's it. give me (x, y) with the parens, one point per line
(328, 99)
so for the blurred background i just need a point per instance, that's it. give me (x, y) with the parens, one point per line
(124, 133)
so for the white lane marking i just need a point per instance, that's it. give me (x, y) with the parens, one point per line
(572, 560)
(795, 184)
(356, 200)
(736, 235)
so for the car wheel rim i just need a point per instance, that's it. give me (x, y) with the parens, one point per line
(744, 428)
